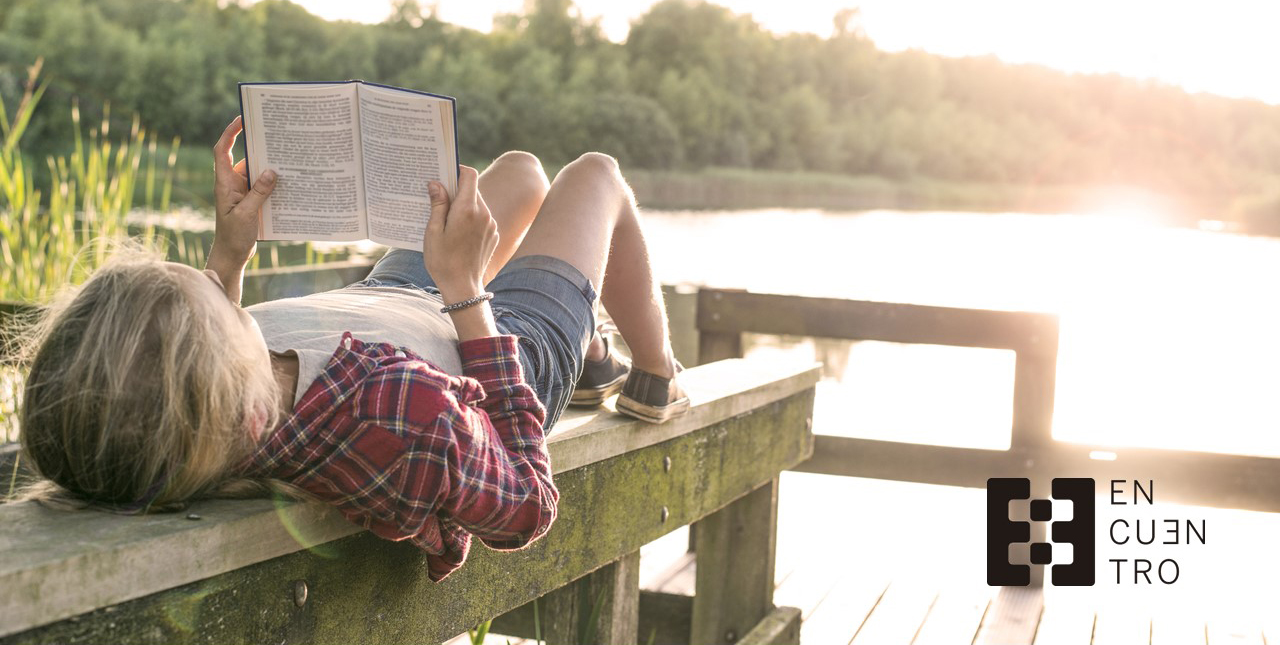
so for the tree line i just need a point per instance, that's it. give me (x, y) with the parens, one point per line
(694, 85)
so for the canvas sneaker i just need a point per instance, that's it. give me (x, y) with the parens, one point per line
(600, 379)
(651, 398)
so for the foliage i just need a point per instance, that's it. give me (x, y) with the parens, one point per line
(693, 86)
(45, 242)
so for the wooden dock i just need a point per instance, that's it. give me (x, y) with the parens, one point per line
(866, 592)
(877, 541)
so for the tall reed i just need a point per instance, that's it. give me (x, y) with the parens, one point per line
(46, 235)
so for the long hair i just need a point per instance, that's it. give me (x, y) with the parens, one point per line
(135, 400)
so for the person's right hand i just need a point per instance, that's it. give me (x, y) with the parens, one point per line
(237, 209)
(460, 238)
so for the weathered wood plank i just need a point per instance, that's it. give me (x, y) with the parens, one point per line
(954, 618)
(42, 580)
(811, 581)
(717, 346)
(1186, 477)
(716, 392)
(663, 617)
(722, 310)
(681, 302)
(843, 611)
(898, 616)
(601, 608)
(1034, 378)
(367, 590)
(780, 627)
(736, 548)
(1012, 618)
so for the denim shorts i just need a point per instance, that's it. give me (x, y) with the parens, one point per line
(544, 301)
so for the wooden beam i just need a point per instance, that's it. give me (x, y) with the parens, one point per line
(600, 608)
(717, 391)
(364, 589)
(736, 549)
(739, 311)
(664, 618)
(1181, 476)
(1034, 378)
(42, 580)
(681, 302)
(780, 627)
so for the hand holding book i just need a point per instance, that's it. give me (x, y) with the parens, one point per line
(460, 239)
(456, 249)
(354, 159)
(237, 209)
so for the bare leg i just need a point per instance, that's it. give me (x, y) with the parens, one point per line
(513, 186)
(589, 219)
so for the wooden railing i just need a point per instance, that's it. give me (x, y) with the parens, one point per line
(258, 572)
(263, 571)
(1191, 477)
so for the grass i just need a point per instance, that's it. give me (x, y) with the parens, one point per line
(49, 234)
(58, 230)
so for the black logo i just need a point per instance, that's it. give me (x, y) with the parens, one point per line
(1001, 531)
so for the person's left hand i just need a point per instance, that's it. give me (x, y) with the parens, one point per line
(237, 209)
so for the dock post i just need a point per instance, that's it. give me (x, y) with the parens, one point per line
(736, 549)
(602, 607)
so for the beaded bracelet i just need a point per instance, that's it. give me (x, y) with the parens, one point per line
(474, 300)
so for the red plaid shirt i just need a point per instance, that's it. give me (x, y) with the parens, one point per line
(409, 452)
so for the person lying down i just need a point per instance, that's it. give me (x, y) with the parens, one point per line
(416, 401)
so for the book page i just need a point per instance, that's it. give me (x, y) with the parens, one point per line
(405, 145)
(308, 134)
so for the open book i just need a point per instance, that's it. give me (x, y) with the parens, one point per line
(353, 159)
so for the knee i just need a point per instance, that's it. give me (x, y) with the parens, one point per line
(598, 161)
(521, 163)
(593, 165)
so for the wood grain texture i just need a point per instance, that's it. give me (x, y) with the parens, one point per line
(367, 590)
(955, 617)
(1012, 618)
(1186, 477)
(843, 610)
(721, 310)
(736, 548)
(99, 560)
(600, 608)
(780, 627)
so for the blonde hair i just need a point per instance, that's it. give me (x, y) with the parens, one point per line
(135, 401)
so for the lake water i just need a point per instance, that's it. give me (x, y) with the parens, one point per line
(1168, 335)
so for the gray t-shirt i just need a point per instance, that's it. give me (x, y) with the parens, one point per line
(311, 326)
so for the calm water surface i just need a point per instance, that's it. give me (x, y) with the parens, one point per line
(1168, 335)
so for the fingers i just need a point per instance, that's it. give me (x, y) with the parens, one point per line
(222, 149)
(262, 188)
(241, 169)
(482, 211)
(439, 207)
(468, 180)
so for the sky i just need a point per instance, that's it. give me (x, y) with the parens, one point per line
(1226, 47)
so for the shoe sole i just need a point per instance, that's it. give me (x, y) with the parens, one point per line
(594, 396)
(650, 413)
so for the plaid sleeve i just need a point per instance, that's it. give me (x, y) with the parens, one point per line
(502, 490)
